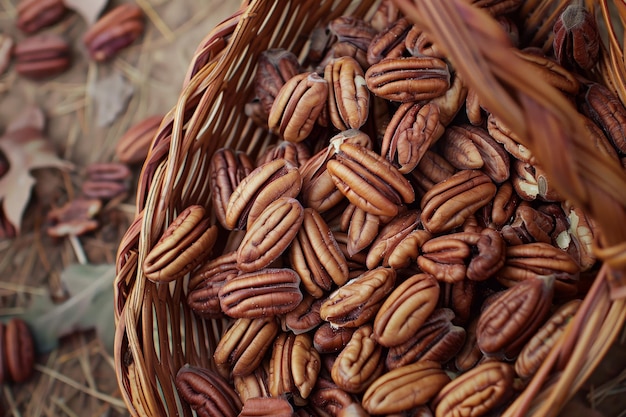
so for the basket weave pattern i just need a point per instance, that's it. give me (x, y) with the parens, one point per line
(156, 332)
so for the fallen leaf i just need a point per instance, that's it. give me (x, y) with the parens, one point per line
(25, 149)
(31, 116)
(111, 95)
(89, 306)
(89, 9)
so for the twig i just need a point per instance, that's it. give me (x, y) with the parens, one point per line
(78, 250)
(12, 405)
(156, 19)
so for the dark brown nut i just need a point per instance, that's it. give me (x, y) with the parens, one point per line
(385, 14)
(356, 262)
(437, 340)
(533, 260)
(452, 101)
(459, 297)
(477, 391)
(274, 68)
(305, 317)
(408, 79)
(106, 180)
(329, 400)
(348, 96)
(206, 392)
(267, 292)
(353, 30)
(74, 218)
(294, 366)
(132, 148)
(390, 236)
(605, 109)
(359, 363)
(297, 106)
(506, 137)
(447, 204)
(473, 109)
(408, 249)
(469, 354)
(413, 128)
(19, 350)
(432, 169)
(33, 15)
(316, 256)
(104, 190)
(257, 190)
(598, 139)
(108, 171)
(114, 31)
(362, 228)
(359, 299)
(501, 209)
(318, 189)
(579, 238)
(471, 147)
(270, 235)
(404, 388)
(205, 283)
(528, 225)
(42, 56)
(330, 339)
(369, 181)
(550, 71)
(343, 49)
(537, 348)
(182, 247)
(576, 40)
(296, 153)
(418, 43)
(226, 170)
(242, 347)
(514, 317)
(389, 42)
(406, 309)
(266, 407)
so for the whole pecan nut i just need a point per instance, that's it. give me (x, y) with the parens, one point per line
(133, 146)
(42, 56)
(390, 236)
(274, 68)
(359, 363)
(294, 366)
(205, 283)
(18, 349)
(33, 15)
(114, 31)
(348, 96)
(207, 392)
(266, 407)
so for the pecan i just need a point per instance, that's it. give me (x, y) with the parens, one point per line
(353, 30)
(359, 363)
(447, 204)
(406, 309)
(74, 218)
(578, 239)
(477, 391)
(413, 128)
(432, 169)
(605, 109)
(550, 71)
(342, 50)
(469, 354)
(257, 190)
(418, 43)
(390, 236)
(348, 96)
(205, 282)
(305, 317)
(389, 42)
(501, 209)
(316, 257)
(471, 147)
(106, 180)
(473, 109)
(294, 366)
(536, 350)
(576, 41)
(267, 292)
(408, 79)
(529, 225)
(356, 262)
(297, 106)
(182, 247)
(511, 319)
(266, 407)
(270, 235)
(437, 339)
(458, 297)
(359, 299)
(34, 15)
(114, 31)
(206, 392)
(104, 190)
(599, 140)
(19, 350)
(385, 14)
(318, 189)
(452, 100)
(329, 400)
(407, 250)
(524, 180)
(242, 347)
(510, 140)
(255, 384)
(132, 148)
(274, 68)
(226, 170)
(369, 181)
(362, 228)
(296, 153)
(404, 388)
(331, 339)
(533, 260)
(42, 56)
(497, 7)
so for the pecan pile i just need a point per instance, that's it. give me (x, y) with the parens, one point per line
(397, 251)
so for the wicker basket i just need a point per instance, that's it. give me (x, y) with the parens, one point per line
(157, 333)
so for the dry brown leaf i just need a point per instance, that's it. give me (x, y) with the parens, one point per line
(25, 149)
(88, 9)
(111, 95)
(31, 116)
